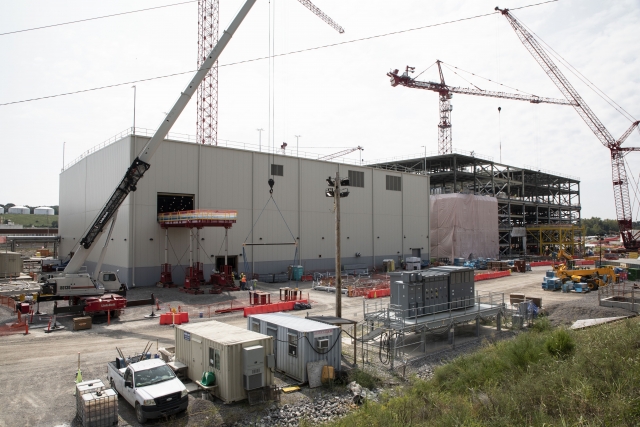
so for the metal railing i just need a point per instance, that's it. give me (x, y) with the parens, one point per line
(182, 137)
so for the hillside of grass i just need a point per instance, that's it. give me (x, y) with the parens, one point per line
(544, 377)
(31, 220)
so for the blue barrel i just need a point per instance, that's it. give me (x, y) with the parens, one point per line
(298, 271)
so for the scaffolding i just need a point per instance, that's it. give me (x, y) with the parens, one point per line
(527, 196)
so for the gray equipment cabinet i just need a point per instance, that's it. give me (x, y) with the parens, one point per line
(461, 285)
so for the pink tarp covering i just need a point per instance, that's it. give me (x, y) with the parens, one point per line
(464, 224)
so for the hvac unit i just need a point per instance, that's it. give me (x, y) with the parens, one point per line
(322, 344)
(253, 364)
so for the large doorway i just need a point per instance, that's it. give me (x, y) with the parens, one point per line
(232, 260)
(416, 252)
(171, 202)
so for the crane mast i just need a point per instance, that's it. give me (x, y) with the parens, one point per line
(141, 163)
(618, 172)
(445, 93)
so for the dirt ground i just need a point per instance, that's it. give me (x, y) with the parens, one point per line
(37, 371)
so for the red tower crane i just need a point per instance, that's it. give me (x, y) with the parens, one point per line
(446, 93)
(630, 239)
(207, 99)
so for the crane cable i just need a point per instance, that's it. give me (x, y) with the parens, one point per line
(580, 76)
(393, 33)
(487, 79)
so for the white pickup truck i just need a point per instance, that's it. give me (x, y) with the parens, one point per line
(150, 386)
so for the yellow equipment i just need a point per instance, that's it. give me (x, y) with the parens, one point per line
(593, 277)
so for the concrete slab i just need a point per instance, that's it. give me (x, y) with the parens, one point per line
(585, 323)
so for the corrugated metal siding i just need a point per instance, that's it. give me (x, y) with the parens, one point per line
(229, 341)
(306, 332)
(236, 179)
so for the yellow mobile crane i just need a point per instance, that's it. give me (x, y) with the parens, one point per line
(591, 278)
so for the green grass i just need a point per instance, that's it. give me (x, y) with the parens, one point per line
(30, 220)
(544, 377)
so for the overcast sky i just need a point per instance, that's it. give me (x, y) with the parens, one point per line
(335, 98)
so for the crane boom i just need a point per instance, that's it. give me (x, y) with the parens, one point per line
(439, 87)
(341, 153)
(141, 163)
(313, 8)
(445, 93)
(618, 171)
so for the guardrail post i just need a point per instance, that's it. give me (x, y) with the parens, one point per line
(499, 321)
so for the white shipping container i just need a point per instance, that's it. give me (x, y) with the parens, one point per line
(10, 264)
(217, 347)
(299, 341)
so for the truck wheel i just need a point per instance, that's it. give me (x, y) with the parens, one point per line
(115, 314)
(140, 415)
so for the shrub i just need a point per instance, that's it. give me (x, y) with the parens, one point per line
(542, 324)
(364, 378)
(560, 344)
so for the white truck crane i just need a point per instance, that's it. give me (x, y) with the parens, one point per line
(87, 292)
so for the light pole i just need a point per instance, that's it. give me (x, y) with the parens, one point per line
(260, 139)
(334, 190)
(297, 136)
(134, 108)
(600, 238)
(425, 158)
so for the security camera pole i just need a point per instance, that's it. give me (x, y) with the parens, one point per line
(335, 191)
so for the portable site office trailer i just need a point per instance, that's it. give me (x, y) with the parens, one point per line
(299, 341)
(226, 351)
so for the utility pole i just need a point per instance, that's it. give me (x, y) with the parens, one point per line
(338, 263)
(335, 191)
(260, 139)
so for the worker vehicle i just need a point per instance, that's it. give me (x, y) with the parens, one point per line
(150, 386)
(593, 277)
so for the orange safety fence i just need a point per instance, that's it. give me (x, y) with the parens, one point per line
(15, 328)
(8, 302)
(541, 263)
(207, 311)
(493, 275)
(272, 308)
(378, 293)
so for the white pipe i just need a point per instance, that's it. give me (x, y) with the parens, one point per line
(166, 244)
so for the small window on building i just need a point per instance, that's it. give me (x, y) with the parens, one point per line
(277, 170)
(356, 179)
(255, 327)
(214, 358)
(293, 345)
(394, 183)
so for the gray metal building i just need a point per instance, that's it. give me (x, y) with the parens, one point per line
(298, 341)
(385, 216)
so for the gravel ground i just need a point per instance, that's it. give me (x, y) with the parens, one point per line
(52, 358)
(566, 313)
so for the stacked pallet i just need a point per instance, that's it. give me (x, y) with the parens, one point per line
(498, 265)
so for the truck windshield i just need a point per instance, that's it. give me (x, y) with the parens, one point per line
(153, 376)
(110, 277)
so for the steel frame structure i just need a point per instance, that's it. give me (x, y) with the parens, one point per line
(526, 197)
(207, 106)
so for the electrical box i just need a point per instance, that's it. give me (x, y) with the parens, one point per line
(253, 367)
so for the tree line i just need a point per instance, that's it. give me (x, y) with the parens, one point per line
(595, 225)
